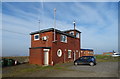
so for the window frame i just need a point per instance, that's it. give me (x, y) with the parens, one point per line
(59, 54)
(62, 38)
(77, 35)
(35, 36)
(71, 32)
(69, 54)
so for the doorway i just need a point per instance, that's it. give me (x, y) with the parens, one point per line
(46, 57)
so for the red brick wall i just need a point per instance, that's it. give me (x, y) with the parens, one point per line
(41, 43)
(72, 44)
(36, 56)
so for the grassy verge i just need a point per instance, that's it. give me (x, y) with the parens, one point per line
(104, 58)
(33, 68)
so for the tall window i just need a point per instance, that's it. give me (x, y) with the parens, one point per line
(69, 54)
(63, 38)
(36, 37)
(77, 35)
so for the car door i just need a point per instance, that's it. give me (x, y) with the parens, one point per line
(85, 60)
(82, 60)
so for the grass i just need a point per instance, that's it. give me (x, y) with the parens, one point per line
(35, 68)
(105, 58)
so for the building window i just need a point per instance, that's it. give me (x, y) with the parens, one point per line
(59, 52)
(36, 37)
(63, 38)
(77, 35)
(72, 33)
(69, 54)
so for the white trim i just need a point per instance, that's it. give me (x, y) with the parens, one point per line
(76, 50)
(77, 35)
(79, 54)
(59, 53)
(46, 49)
(69, 56)
(38, 37)
(71, 32)
(61, 38)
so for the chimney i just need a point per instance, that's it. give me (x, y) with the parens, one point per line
(74, 25)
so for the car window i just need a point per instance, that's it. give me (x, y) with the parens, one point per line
(86, 58)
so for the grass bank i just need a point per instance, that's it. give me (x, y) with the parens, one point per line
(105, 58)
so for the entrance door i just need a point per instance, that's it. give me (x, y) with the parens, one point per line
(46, 57)
(74, 56)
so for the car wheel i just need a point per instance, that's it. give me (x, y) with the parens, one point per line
(91, 64)
(76, 63)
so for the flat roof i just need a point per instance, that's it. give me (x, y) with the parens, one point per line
(87, 49)
(40, 47)
(52, 29)
(72, 30)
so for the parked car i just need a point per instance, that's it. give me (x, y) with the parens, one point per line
(115, 55)
(8, 62)
(91, 60)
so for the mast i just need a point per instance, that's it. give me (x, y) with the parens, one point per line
(54, 24)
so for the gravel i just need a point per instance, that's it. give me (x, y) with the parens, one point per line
(102, 69)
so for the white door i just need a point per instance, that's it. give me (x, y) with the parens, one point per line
(74, 56)
(46, 58)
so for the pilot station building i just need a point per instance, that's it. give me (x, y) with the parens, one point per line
(52, 46)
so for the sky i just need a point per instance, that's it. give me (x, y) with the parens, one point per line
(98, 22)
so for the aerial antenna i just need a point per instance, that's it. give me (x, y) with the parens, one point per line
(39, 24)
(54, 24)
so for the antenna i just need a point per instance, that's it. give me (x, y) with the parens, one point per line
(39, 25)
(54, 23)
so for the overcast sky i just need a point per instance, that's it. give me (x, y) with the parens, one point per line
(98, 22)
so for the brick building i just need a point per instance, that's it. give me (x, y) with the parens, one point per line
(51, 46)
(87, 52)
(108, 53)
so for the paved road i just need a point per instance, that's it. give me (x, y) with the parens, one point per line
(102, 69)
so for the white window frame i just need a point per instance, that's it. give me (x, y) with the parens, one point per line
(77, 35)
(69, 54)
(59, 53)
(38, 37)
(72, 32)
(61, 38)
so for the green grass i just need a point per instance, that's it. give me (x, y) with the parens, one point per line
(105, 58)
(33, 69)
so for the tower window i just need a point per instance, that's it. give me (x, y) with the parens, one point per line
(63, 38)
(36, 37)
(77, 35)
